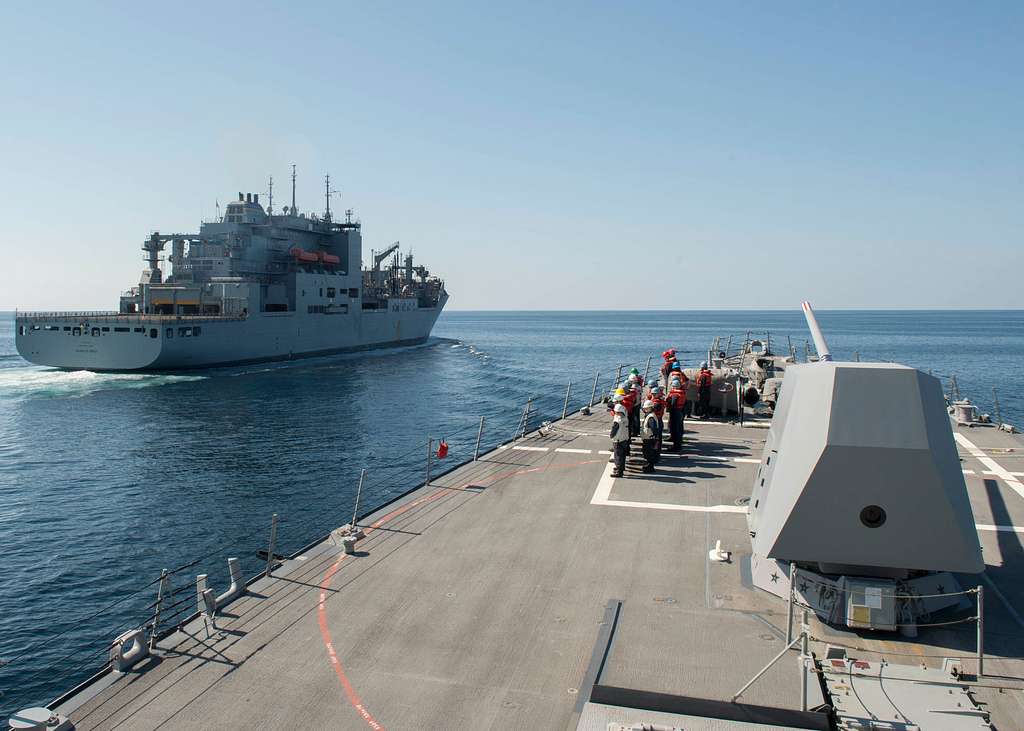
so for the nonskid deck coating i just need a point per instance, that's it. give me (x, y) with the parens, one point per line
(477, 603)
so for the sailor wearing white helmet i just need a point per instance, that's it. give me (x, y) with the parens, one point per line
(649, 433)
(620, 438)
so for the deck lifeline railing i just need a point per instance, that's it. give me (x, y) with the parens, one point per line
(176, 606)
(110, 316)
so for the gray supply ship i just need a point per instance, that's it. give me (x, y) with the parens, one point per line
(251, 286)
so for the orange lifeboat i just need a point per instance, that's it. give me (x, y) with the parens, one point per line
(328, 258)
(302, 255)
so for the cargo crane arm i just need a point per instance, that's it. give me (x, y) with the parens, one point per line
(378, 258)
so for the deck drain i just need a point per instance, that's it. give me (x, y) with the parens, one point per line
(450, 594)
(573, 691)
(664, 600)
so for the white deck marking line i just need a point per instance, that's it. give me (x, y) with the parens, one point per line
(604, 451)
(746, 460)
(568, 450)
(990, 472)
(996, 468)
(999, 528)
(968, 472)
(603, 493)
(531, 449)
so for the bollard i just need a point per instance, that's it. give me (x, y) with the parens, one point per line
(981, 630)
(430, 448)
(593, 393)
(565, 406)
(201, 588)
(237, 587)
(359, 491)
(479, 434)
(164, 581)
(209, 610)
(270, 549)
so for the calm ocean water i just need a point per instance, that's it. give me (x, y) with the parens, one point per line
(107, 479)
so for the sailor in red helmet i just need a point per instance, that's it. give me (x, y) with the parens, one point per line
(666, 367)
(704, 380)
(676, 403)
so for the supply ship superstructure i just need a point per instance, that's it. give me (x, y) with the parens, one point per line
(250, 286)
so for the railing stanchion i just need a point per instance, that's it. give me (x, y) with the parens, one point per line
(159, 606)
(359, 492)
(981, 630)
(526, 415)
(805, 657)
(647, 368)
(618, 375)
(593, 393)
(739, 397)
(430, 448)
(995, 400)
(789, 611)
(479, 435)
(565, 406)
(270, 548)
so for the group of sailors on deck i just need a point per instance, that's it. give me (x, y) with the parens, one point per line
(638, 411)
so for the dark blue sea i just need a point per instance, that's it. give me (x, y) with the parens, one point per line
(107, 479)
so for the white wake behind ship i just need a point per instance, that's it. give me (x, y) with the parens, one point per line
(251, 286)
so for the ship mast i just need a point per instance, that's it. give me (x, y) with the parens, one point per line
(270, 197)
(328, 192)
(293, 189)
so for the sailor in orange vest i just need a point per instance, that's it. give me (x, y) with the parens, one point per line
(629, 403)
(676, 403)
(704, 379)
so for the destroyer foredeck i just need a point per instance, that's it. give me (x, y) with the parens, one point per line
(506, 592)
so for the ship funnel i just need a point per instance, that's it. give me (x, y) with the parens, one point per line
(824, 354)
(248, 197)
(255, 197)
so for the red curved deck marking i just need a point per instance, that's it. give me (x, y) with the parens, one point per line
(325, 632)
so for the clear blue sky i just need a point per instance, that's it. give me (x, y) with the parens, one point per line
(651, 155)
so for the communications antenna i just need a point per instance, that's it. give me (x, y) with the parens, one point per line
(270, 196)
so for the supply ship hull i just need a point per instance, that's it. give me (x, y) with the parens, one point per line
(163, 343)
(250, 286)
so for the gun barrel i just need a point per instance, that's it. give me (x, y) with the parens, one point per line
(824, 354)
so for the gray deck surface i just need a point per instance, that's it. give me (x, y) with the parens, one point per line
(477, 602)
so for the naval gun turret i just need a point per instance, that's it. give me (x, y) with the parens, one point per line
(860, 493)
